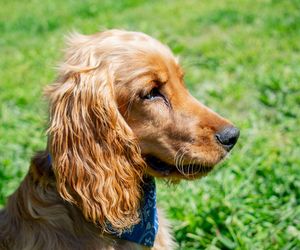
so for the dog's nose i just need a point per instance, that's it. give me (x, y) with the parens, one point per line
(228, 137)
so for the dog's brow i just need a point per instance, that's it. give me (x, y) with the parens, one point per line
(161, 78)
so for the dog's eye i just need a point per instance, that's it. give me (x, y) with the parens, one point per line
(154, 93)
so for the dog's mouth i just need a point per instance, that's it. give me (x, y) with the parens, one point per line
(163, 169)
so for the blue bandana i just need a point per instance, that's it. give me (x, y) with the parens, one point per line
(145, 231)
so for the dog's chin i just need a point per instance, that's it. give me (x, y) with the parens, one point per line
(161, 169)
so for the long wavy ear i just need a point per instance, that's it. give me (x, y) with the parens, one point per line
(96, 160)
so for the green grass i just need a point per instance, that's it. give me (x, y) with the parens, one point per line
(242, 58)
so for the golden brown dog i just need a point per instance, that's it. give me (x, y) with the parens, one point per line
(119, 111)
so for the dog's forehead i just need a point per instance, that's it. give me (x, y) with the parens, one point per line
(135, 36)
(129, 36)
(133, 39)
(144, 51)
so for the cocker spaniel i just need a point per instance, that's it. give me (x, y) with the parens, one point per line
(120, 115)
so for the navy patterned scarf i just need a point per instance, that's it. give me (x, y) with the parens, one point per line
(145, 231)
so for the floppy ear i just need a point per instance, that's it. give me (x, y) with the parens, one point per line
(96, 160)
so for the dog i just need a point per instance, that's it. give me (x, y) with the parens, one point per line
(120, 116)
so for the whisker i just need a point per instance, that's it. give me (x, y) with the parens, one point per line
(181, 162)
(177, 157)
(193, 164)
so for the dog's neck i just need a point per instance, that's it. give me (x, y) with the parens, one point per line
(142, 233)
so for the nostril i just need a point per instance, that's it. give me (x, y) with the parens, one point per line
(228, 137)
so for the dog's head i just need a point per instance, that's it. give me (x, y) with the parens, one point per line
(119, 110)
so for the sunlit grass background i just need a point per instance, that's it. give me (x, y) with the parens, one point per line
(242, 58)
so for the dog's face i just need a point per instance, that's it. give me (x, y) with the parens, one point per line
(179, 137)
(119, 108)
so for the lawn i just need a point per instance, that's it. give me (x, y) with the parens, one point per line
(242, 58)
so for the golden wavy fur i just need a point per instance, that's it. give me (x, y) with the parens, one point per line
(118, 111)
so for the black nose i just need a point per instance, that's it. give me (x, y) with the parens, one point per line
(228, 137)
